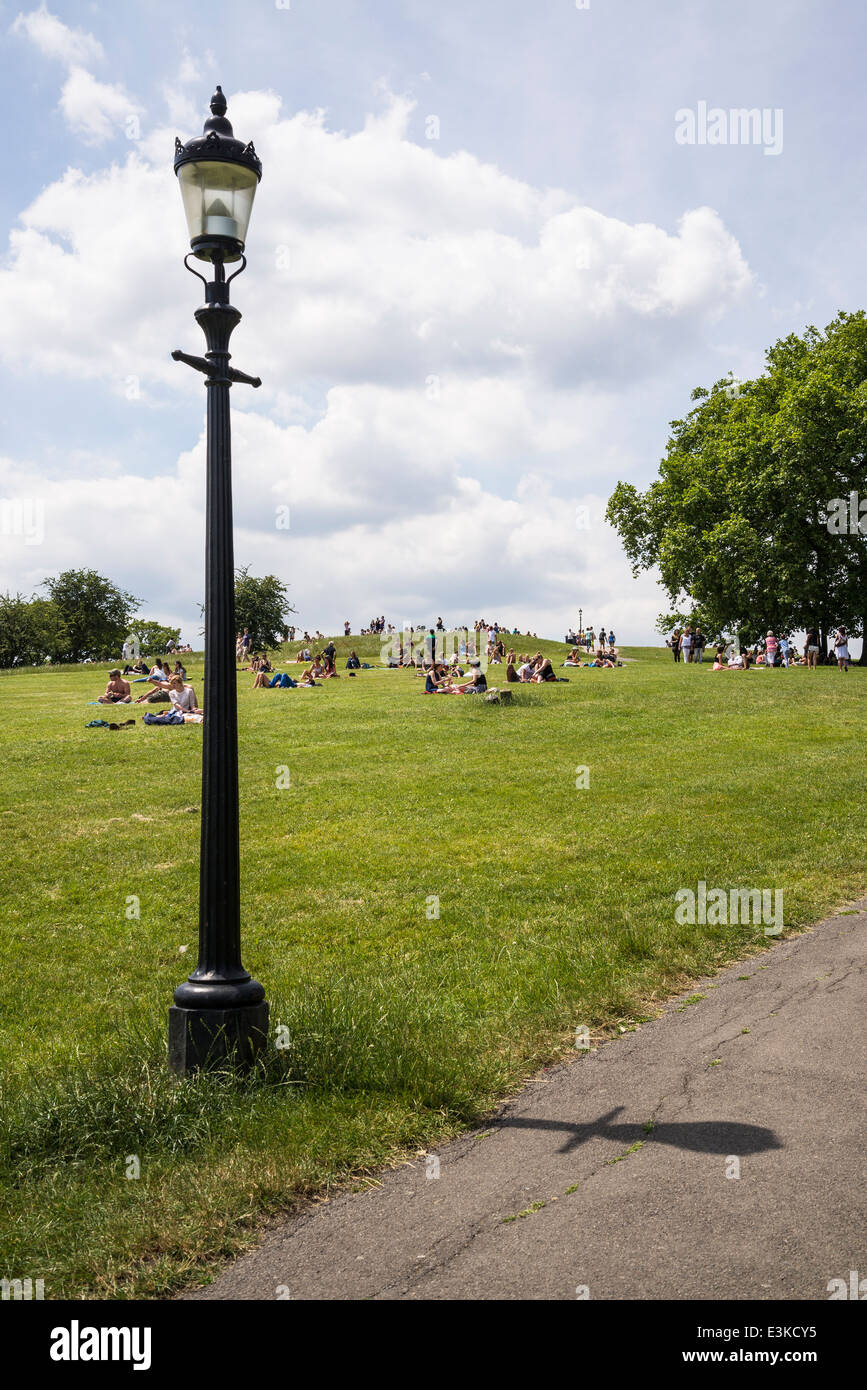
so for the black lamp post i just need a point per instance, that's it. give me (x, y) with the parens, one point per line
(219, 1011)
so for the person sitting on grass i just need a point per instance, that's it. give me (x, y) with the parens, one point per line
(117, 691)
(574, 658)
(544, 671)
(526, 668)
(138, 668)
(437, 680)
(475, 685)
(158, 681)
(353, 663)
(159, 674)
(183, 697)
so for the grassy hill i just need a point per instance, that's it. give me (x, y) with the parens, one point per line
(432, 902)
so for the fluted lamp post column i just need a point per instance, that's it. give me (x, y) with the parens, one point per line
(219, 1012)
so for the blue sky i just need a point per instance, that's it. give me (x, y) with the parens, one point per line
(465, 340)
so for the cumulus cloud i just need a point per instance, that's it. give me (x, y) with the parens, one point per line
(93, 110)
(96, 111)
(444, 350)
(55, 39)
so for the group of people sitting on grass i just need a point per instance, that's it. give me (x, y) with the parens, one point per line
(164, 687)
(321, 668)
(442, 678)
(607, 657)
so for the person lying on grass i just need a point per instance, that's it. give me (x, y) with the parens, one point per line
(183, 697)
(574, 658)
(138, 668)
(738, 661)
(117, 691)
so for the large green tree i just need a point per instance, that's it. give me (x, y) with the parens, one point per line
(153, 637)
(30, 630)
(95, 615)
(755, 517)
(261, 605)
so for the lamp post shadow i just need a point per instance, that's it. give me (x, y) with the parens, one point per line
(699, 1136)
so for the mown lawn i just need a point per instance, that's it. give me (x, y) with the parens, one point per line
(556, 909)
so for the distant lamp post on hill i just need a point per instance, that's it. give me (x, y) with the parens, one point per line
(219, 1011)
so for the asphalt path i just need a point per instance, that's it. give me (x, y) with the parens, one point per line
(717, 1152)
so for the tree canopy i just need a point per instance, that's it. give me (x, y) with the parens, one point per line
(95, 615)
(152, 637)
(262, 606)
(84, 615)
(30, 630)
(755, 520)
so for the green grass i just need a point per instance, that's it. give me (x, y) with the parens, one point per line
(556, 909)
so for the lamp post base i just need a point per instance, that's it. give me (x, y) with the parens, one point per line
(201, 1039)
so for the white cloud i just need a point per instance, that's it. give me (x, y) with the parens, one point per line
(94, 110)
(55, 39)
(480, 340)
(98, 110)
